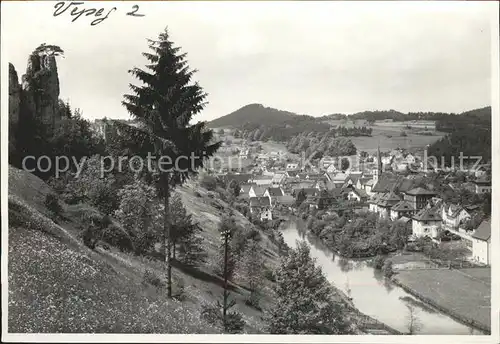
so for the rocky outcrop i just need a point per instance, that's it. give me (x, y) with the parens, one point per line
(14, 103)
(41, 88)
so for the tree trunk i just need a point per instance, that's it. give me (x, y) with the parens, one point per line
(166, 234)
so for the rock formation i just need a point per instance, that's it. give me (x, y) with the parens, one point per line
(41, 88)
(14, 103)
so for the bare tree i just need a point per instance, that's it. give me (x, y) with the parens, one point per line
(413, 322)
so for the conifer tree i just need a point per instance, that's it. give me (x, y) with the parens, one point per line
(164, 106)
(303, 303)
(252, 265)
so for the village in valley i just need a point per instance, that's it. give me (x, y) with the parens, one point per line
(443, 211)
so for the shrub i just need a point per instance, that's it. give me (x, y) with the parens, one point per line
(268, 274)
(378, 262)
(208, 182)
(234, 323)
(213, 315)
(179, 289)
(89, 236)
(387, 269)
(52, 204)
(117, 237)
(150, 277)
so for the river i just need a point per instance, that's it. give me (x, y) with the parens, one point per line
(371, 293)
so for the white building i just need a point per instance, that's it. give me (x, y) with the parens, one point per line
(427, 222)
(266, 214)
(453, 215)
(481, 243)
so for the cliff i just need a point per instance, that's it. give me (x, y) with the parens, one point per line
(41, 87)
(14, 104)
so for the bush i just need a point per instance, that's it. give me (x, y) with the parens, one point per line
(378, 262)
(208, 182)
(412, 247)
(150, 277)
(117, 237)
(387, 269)
(179, 289)
(234, 323)
(213, 315)
(52, 204)
(268, 274)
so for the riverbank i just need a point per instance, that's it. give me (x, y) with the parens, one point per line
(455, 293)
(372, 294)
(364, 324)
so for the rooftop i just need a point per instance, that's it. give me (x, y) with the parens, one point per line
(259, 201)
(419, 191)
(483, 232)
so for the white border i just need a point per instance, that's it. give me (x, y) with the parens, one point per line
(495, 297)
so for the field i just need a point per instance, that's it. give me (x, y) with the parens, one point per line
(387, 135)
(452, 290)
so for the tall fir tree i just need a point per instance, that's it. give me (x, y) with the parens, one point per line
(164, 106)
(251, 267)
(303, 303)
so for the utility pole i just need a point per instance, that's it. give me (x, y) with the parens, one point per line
(225, 235)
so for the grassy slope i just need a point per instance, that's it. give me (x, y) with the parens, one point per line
(58, 285)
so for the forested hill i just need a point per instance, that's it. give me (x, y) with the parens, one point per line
(256, 114)
(257, 122)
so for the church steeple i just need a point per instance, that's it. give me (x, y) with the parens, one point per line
(379, 161)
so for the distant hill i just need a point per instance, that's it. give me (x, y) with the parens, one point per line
(252, 114)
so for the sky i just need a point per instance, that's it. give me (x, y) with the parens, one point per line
(312, 58)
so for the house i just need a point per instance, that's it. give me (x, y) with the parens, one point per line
(292, 166)
(453, 215)
(263, 180)
(362, 182)
(481, 243)
(328, 163)
(274, 193)
(285, 200)
(402, 209)
(419, 197)
(266, 214)
(386, 202)
(307, 192)
(373, 203)
(482, 185)
(358, 195)
(369, 186)
(426, 222)
(352, 179)
(258, 204)
(245, 188)
(291, 174)
(278, 179)
(336, 178)
(256, 191)
(238, 178)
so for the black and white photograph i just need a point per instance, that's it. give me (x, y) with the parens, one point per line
(250, 171)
